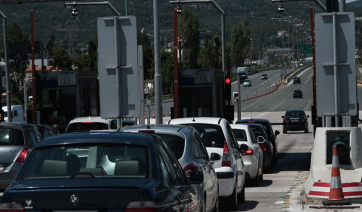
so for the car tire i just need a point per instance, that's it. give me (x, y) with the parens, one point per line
(216, 207)
(284, 131)
(306, 130)
(261, 177)
(256, 180)
(232, 202)
(241, 196)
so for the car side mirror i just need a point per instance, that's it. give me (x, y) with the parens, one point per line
(243, 147)
(282, 116)
(277, 132)
(196, 177)
(215, 157)
(307, 116)
(260, 139)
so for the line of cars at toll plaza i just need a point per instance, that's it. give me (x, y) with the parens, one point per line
(187, 164)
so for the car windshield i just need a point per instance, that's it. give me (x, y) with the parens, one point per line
(212, 135)
(87, 161)
(175, 143)
(11, 137)
(295, 113)
(240, 134)
(84, 127)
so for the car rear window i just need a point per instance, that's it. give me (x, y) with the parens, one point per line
(240, 134)
(295, 113)
(175, 143)
(11, 137)
(84, 127)
(87, 161)
(212, 135)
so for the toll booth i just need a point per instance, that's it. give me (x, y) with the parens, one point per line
(201, 93)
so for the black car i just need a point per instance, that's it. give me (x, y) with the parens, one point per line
(45, 130)
(296, 80)
(295, 120)
(271, 135)
(264, 76)
(62, 173)
(297, 94)
(266, 146)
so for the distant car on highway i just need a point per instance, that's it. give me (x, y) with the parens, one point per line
(297, 94)
(296, 80)
(253, 156)
(247, 82)
(295, 120)
(62, 173)
(264, 76)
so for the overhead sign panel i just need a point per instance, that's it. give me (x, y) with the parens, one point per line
(328, 61)
(123, 85)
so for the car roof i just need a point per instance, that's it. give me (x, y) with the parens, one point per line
(197, 120)
(90, 119)
(96, 137)
(297, 90)
(239, 126)
(18, 125)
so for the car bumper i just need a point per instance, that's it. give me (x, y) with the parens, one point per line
(295, 127)
(226, 177)
(250, 168)
(8, 175)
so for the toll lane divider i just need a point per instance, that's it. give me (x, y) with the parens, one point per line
(262, 92)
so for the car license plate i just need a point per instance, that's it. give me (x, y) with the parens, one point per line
(294, 120)
(1, 167)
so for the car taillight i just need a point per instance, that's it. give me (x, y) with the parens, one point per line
(147, 131)
(141, 206)
(262, 147)
(285, 120)
(303, 119)
(22, 155)
(191, 166)
(248, 152)
(11, 207)
(226, 159)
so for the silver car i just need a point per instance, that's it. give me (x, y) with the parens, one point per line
(16, 140)
(186, 144)
(253, 157)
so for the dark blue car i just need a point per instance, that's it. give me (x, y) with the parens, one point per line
(102, 172)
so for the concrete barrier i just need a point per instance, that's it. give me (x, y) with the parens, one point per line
(321, 165)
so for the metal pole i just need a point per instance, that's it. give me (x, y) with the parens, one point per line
(8, 99)
(25, 87)
(118, 72)
(239, 97)
(335, 67)
(158, 76)
(32, 65)
(175, 96)
(342, 5)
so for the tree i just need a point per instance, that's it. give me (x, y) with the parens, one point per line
(62, 59)
(239, 42)
(207, 54)
(144, 39)
(189, 33)
(15, 33)
(167, 71)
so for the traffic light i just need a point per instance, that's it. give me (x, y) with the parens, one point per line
(2, 116)
(227, 91)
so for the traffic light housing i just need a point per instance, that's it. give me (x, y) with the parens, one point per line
(2, 116)
(227, 91)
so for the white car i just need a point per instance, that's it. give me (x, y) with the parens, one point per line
(253, 157)
(88, 123)
(247, 82)
(218, 137)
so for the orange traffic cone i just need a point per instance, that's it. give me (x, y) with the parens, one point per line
(336, 196)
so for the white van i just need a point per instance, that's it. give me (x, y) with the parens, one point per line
(17, 113)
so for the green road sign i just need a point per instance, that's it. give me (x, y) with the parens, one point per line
(306, 49)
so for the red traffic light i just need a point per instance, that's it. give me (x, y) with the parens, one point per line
(227, 80)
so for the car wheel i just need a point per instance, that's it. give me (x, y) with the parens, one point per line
(284, 131)
(306, 130)
(233, 200)
(216, 206)
(261, 177)
(241, 196)
(256, 180)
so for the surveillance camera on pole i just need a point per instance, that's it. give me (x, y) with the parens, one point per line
(74, 12)
(281, 8)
